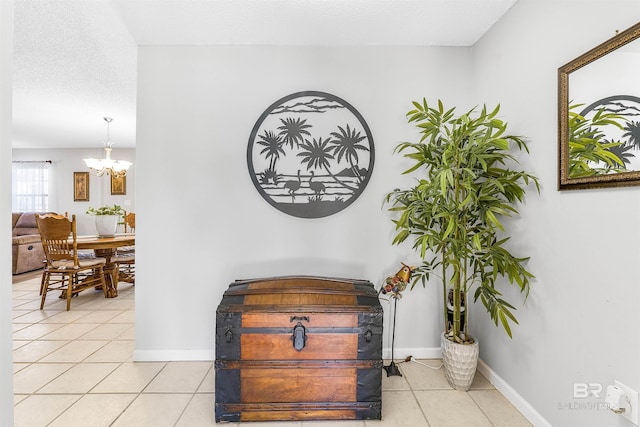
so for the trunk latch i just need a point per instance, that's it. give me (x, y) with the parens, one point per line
(299, 337)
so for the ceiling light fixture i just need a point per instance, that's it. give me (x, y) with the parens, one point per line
(115, 168)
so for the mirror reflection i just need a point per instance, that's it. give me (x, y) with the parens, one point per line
(599, 115)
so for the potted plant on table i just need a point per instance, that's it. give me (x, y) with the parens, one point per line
(107, 219)
(453, 212)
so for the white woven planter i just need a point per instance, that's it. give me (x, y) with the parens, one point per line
(460, 362)
(106, 225)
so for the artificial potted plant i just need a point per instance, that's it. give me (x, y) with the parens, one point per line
(107, 219)
(465, 185)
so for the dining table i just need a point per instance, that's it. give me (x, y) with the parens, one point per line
(106, 247)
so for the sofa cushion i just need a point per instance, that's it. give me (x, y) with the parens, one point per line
(27, 220)
(26, 249)
(24, 232)
(25, 224)
(25, 239)
(15, 216)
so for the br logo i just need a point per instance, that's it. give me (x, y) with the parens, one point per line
(584, 390)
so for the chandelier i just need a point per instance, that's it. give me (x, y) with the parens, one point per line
(115, 168)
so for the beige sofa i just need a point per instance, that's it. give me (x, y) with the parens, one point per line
(26, 248)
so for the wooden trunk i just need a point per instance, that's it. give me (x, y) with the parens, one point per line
(298, 348)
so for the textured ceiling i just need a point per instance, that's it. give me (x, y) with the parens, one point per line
(74, 63)
(75, 60)
(313, 22)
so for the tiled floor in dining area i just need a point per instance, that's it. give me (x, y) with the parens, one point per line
(75, 369)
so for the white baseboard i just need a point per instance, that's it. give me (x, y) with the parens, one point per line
(416, 353)
(512, 396)
(173, 355)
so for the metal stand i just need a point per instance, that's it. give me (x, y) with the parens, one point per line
(392, 369)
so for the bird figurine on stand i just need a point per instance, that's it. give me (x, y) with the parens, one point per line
(397, 283)
(393, 286)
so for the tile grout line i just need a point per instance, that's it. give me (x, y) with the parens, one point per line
(193, 395)
(65, 409)
(72, 364)
(138, 394)
(184, 409)
(481, 410)
(415, 398)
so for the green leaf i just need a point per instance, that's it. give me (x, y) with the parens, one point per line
(466, 180)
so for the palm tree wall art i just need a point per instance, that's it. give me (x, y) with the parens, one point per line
(614, 122)
(310, 154)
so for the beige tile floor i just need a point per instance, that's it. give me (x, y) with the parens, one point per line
(75, 369)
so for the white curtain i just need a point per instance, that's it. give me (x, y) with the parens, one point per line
(30, 186)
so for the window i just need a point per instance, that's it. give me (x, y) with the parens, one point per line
(30, 186)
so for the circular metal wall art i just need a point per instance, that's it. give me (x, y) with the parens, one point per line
(310, 154)
(627, 138)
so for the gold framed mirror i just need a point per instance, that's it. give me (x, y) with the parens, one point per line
(599, 115)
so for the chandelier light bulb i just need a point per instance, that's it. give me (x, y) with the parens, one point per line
(100, 167)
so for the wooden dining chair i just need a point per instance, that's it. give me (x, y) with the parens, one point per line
(44, 264)
(64, 271)
(129, 222)
(126, 256)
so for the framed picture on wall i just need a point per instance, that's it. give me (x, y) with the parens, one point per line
(118, 186)
(81, 186)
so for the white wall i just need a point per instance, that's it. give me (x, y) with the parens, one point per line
(196, 107)
(66, 161)
(6, 92)
(205, 225)
(579, 324)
